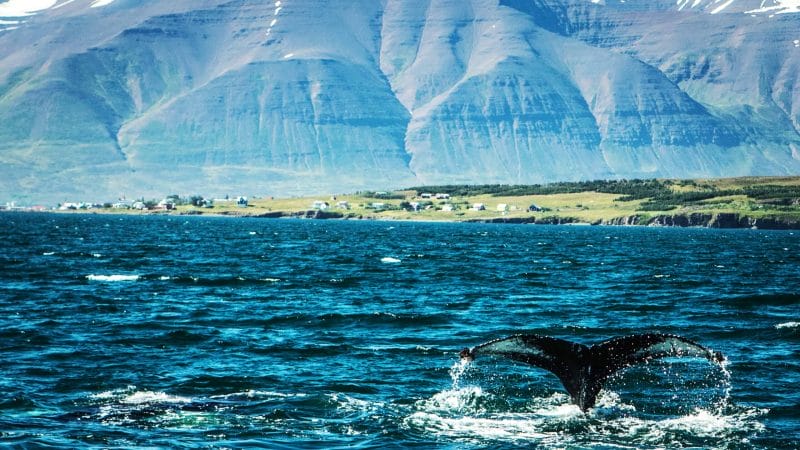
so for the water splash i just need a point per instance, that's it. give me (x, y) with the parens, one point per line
(458, 370)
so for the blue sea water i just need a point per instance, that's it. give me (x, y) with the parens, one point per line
(135, 331)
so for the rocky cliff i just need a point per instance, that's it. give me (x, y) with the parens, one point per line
(706, 220)
(123, 97)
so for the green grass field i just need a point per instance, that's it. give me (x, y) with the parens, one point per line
(589, 202)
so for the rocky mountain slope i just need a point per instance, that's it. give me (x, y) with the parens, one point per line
(104, 98)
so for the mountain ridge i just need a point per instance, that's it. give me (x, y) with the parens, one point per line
(287, 98)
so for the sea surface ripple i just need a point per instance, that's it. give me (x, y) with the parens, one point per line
(141, 331)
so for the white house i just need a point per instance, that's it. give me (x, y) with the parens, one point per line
(447, 207)
(320, 205)
(166, 205)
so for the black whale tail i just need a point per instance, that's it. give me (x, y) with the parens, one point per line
(582, 369)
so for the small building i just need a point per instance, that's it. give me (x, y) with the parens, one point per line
(447, 207)
(67, 206)
(414, 206)
(426, 195)
(342, 204)
(378, 205)
(441, 196)
(139, 205)
(478, 207)
(241, 202)
(320, 205)
(207, 203)
(122, 204)
(165, 205)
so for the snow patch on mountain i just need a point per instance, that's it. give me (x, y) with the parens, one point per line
(99, 3)
(752, 7)
(24, 8)
(780, 7)
(14, 13)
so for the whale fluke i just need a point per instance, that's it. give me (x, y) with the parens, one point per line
(583, 369)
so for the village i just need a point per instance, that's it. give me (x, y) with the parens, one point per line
(750, 202)
(378, 204)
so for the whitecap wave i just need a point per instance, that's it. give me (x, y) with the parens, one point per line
(112, 278)
(784, 325)
(148, 397)
(132, 396)
(390, 260)
(256, 394)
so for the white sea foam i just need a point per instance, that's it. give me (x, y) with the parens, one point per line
(463, 414)
(147, 397)
(787, 325)
(513, 428)
(390, 260)
(351, 404)
(105, 395)
(253, 393)
(112, 278)
(131, 396)
(468, 414)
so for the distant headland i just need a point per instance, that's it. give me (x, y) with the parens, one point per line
(748, 202)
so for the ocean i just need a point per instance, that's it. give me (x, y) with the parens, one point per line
(201, 332)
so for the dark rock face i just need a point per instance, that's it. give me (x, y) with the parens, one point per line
(550, 220)
(251, 97)
(719, 220)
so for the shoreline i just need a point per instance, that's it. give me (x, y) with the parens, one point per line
(771, 203)
(679, 220)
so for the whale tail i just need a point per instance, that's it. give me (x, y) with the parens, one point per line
(582, 369)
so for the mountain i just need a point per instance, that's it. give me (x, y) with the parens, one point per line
(108, 98)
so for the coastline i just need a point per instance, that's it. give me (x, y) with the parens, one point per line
(771, 203)
(689, 220)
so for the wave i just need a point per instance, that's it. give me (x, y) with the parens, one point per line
(754, 301)
(788, 325)
(335, 320)
(390, 260)
(113, 278)
(213, 281)
(254, 394)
